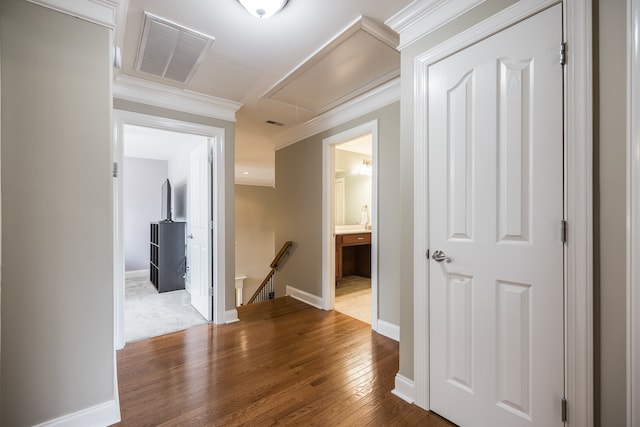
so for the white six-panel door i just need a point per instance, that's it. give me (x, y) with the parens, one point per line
(495, 144)
(200, 272)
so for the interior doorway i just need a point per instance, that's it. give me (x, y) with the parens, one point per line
(158, 288)
(350, 223)
(173, 142)
(352, 217)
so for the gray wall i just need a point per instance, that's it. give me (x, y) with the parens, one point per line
(299, 210)
(57, 220)
(229, 160)
(255, 235)
(610, 213)
(141, 184)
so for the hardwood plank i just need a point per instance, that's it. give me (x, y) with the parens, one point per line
(284, 363)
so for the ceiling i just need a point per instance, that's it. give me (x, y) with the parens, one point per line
(305, 60)
(157, 144)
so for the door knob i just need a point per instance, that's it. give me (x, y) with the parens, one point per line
(190, 236)
(440, 256)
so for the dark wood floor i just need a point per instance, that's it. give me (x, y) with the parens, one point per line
(285, 363)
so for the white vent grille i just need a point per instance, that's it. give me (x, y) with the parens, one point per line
(169, 50)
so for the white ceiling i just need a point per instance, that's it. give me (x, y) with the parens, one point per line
(360, 145)
(157, 144)
(251, 56)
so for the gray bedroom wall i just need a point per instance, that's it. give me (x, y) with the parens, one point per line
(57, 222)
(141, 184)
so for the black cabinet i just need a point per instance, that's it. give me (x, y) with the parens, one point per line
(168, 261)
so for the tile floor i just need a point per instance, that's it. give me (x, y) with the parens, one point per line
(353, 297)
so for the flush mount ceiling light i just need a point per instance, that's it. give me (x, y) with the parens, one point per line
(263, 8)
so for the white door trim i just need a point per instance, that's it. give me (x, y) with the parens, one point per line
(217, 135)
(578, 203)
(328, 229)
(633, 215)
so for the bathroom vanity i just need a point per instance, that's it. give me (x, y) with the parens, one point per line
(353, 251)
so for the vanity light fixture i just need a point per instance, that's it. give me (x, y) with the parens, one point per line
(263, 8)
(365, 167)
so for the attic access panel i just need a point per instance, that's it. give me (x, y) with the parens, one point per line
(169, 50)
(357, 60)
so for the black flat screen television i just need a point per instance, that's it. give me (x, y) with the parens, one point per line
(166, 201)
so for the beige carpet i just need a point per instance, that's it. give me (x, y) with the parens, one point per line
(148, 313)
(353, 297)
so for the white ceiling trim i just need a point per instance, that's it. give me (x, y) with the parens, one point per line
(425, 16)
(379, 97)
(364, 24)
(138, 90)
(102, 12)
(364, 89)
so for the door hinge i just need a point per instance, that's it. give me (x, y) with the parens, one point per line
(210, 157)
(563, 231)
(211, 290)
(115, 170)
(210, 225)
(564, 409)
(563, 53)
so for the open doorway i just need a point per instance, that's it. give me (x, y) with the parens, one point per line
(155, 172)
(196, 204)
(352, 217)
(350, 223)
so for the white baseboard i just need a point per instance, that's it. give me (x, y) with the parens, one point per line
(231, 316)
(405, 389)
(136, 273)
(306, 297)
(103, 414)
(389, 330)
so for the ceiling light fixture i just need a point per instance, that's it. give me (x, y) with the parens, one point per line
(263, 8)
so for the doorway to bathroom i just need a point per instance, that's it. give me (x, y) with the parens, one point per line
(352, 192)
(350, 223)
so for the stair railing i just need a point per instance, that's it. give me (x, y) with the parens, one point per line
(266, 290)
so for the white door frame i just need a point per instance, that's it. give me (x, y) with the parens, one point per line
(578, 199)
(217, 135)
(328, 209)
(633, 214)
(340, 214)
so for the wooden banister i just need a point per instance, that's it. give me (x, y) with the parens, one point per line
(268, 280)
(283, 249)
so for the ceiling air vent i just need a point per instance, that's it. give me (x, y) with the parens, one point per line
(169, 50)
(273, 122)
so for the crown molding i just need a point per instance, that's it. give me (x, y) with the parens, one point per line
(101, 12)
(138, 90)
(425, 16)
(379, 97)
